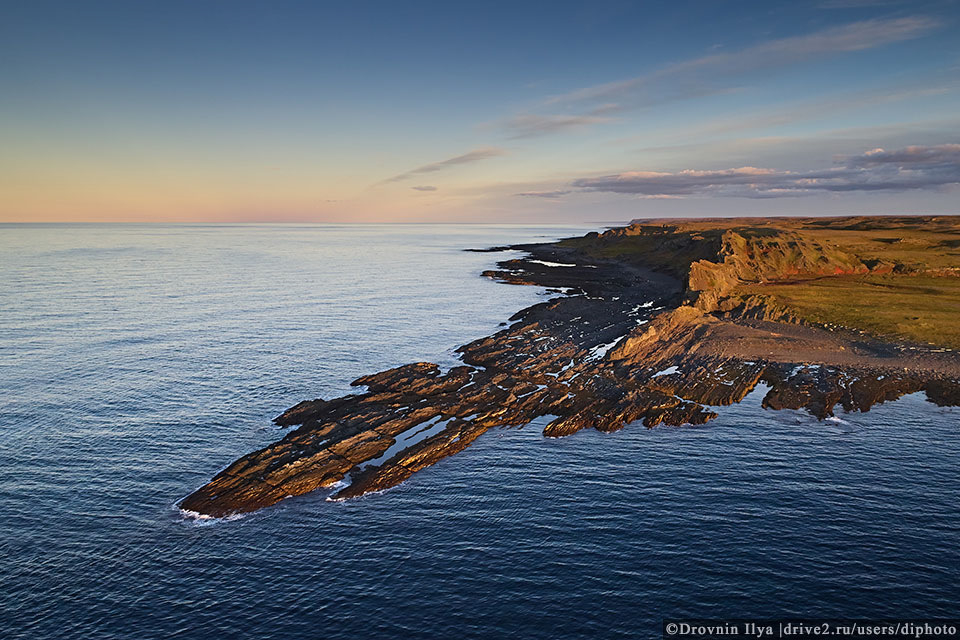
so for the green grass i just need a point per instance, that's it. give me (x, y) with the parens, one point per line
(916, 308)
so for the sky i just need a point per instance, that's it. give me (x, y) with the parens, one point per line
(505, 112)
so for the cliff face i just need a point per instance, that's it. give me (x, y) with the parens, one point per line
(759, 258)
(769, 257)
(717, 261)
(733, 265)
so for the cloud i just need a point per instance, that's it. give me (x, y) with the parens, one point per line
(712, 74)
(857, 4)
(915, 167)
(543, 194)
(471, 157)
(939, 155)
(812, 110)
(425, 187)
(530, 125)
(857, 36)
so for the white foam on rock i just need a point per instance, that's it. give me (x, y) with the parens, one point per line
(601, 350)
(665, 372)
(552, 264)
(198, 519)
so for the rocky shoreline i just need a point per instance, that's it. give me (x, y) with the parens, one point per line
(620, 344)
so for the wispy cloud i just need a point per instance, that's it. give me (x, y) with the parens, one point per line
(424, 187)
(471, 157)
(530, 125)
(857, 4)
(543, 194)
(915, 167)
(799, 112)
(915, 156)
(857, 36)
(712, 74)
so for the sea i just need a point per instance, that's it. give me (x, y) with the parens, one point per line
(136, 361)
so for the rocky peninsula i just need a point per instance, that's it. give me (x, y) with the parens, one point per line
(662, 322)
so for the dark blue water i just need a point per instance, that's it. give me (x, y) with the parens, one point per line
(135, 361)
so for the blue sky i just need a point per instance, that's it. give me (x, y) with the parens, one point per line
(513, 112)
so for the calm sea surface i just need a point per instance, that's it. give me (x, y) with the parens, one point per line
(136, 361)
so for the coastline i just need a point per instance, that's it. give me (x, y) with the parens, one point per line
(629, 339)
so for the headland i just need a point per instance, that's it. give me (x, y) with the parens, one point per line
(662, 322)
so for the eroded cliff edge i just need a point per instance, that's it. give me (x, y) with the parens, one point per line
(661, 322)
